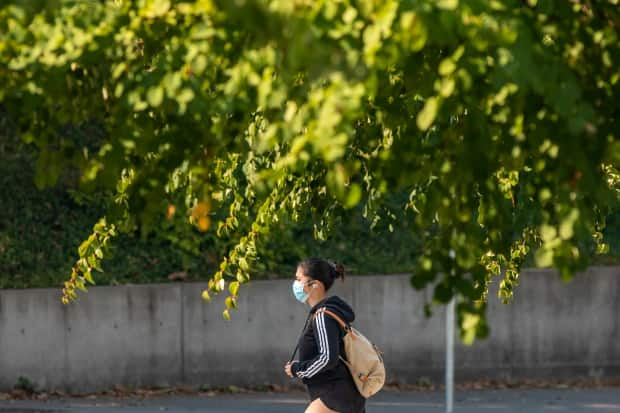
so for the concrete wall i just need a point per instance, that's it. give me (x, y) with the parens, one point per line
(162, 335)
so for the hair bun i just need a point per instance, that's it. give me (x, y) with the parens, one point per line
(338, 270)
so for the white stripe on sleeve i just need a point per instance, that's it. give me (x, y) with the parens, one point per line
(322, 361)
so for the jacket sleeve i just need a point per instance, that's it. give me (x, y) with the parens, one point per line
(327, 336)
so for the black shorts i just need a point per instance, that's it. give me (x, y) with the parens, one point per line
(339, 395)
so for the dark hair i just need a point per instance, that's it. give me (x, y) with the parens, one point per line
(322, 270)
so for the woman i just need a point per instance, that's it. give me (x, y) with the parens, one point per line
(328, 379)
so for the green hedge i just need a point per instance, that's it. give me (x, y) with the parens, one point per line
(40, 231)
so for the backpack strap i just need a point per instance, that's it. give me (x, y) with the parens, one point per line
(340, 321)
(347, 330)
(343, 324)
(297, 346)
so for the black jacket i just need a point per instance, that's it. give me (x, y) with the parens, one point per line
(321, 345)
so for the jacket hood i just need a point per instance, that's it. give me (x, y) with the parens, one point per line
(338, 306)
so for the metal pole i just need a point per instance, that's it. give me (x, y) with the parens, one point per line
(450, 356)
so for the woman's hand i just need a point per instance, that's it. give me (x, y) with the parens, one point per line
(287, 369)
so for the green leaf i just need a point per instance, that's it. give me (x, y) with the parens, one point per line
(354, 196)
(155, 96)
(427, 115)
(418, 281)
(242, 277)
(83, 248)
(82, 265)
(414, 30)
(447, 4)
(469, 327)
(544, 257)
(231, 302)
(447, 67)
(185, 95)
(243, 264)
(155, 8)
(443, 293)
(93, 262)
(80, 285)
(446, 87)
(233, 288)
(548, 233)
(567, 225)
(89, 277)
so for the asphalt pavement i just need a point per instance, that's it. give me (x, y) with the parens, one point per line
(522, 401)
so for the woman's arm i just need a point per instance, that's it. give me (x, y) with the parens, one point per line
(327, 336)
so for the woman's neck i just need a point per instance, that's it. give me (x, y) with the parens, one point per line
(312, 301)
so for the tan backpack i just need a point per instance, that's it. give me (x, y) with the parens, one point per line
(362, 358)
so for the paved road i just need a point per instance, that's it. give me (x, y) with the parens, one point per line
(513, 401)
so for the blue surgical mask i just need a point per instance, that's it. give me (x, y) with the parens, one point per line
(298, 290)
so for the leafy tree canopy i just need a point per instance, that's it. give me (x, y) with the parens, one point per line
(497, 118)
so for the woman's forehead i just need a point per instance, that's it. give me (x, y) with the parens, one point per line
(299, 273)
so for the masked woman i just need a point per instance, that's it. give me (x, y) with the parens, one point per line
(321, 347)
